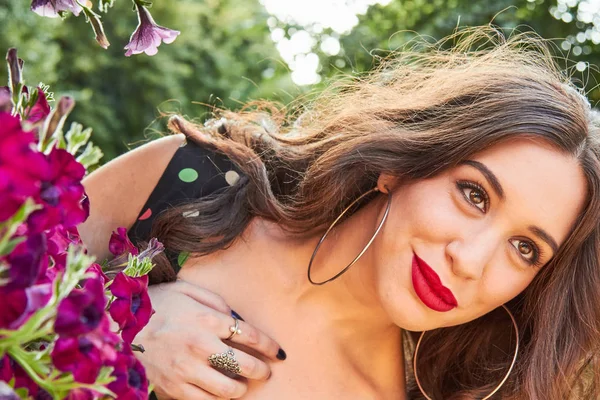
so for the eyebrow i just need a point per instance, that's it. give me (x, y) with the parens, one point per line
(489, 175)
(495, 184)
(542, 234)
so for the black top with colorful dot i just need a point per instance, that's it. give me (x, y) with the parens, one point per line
(193, 172)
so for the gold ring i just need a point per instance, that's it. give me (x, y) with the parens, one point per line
(235, 329)
(225, 361)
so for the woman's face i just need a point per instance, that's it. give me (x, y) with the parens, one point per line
(462, 243)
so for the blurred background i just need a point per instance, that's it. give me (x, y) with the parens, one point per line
(232, 51)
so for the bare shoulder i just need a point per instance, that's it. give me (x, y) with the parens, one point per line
(119, 189)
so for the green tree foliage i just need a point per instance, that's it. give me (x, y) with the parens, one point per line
(385, 28)
(223, 56)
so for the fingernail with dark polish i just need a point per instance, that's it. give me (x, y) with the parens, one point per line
(237, 316)
(281, 355)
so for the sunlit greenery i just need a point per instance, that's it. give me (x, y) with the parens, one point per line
(225, 54)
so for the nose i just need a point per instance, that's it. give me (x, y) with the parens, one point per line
(471, 252)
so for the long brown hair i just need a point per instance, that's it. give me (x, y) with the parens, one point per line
(425, 110)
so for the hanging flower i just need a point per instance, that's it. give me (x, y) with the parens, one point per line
(148, 35)
(131, 382)
(53, 8)
(81, 311)
(132, 308)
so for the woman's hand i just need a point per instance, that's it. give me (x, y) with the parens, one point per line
(189, 325)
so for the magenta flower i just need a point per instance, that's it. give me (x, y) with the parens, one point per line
(132, 308)
(82, 394)
(6, 371)
(79, 356)
(10, 370)
(40, 110)
(21, 168)
(131, 382)
(25, 262)
(61, 193)
(60, 238)
(18, 304)
(148, 35)
(119, 243)
(85, 355)
(52, 8)
(96, 270)
(82, 310)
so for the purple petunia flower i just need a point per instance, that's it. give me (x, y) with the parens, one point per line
(19, 304)
(148, 35)
(11, 371)
(96, 270)
(21, 168)
(131, 382)
(52, 8)
(25, 262)
(85, 355)
(119, 243)
(82, 310)
(132, 308)
(61, 193)
(6, 371)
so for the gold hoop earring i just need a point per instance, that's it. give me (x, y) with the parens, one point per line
(387, 210)
(512, 364)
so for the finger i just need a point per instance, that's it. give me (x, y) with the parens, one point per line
(256, 340)
(203, 296)
(216, 383)
(251, 367)
(195, 393)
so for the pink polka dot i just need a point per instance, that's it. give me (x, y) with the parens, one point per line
(145, 215)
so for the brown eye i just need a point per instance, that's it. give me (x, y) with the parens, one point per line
(528, 250)
(525, 248)
(474, 194)
(476, 197)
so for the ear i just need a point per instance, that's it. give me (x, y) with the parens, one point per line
(387, 183)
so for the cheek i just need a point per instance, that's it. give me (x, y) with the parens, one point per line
(425, 208)
(501, 284)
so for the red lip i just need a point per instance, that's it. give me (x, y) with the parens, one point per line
(429, 288)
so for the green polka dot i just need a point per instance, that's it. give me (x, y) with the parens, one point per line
(183, 256)
(188, 175)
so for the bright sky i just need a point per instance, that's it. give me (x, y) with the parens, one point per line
(313, 16)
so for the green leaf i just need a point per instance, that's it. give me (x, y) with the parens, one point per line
(91, 155)
(9, 227)
(76, 137)
(104, 5)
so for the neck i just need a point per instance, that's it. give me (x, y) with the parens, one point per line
(347, 309)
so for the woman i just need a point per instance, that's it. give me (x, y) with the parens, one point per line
(446, 185)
